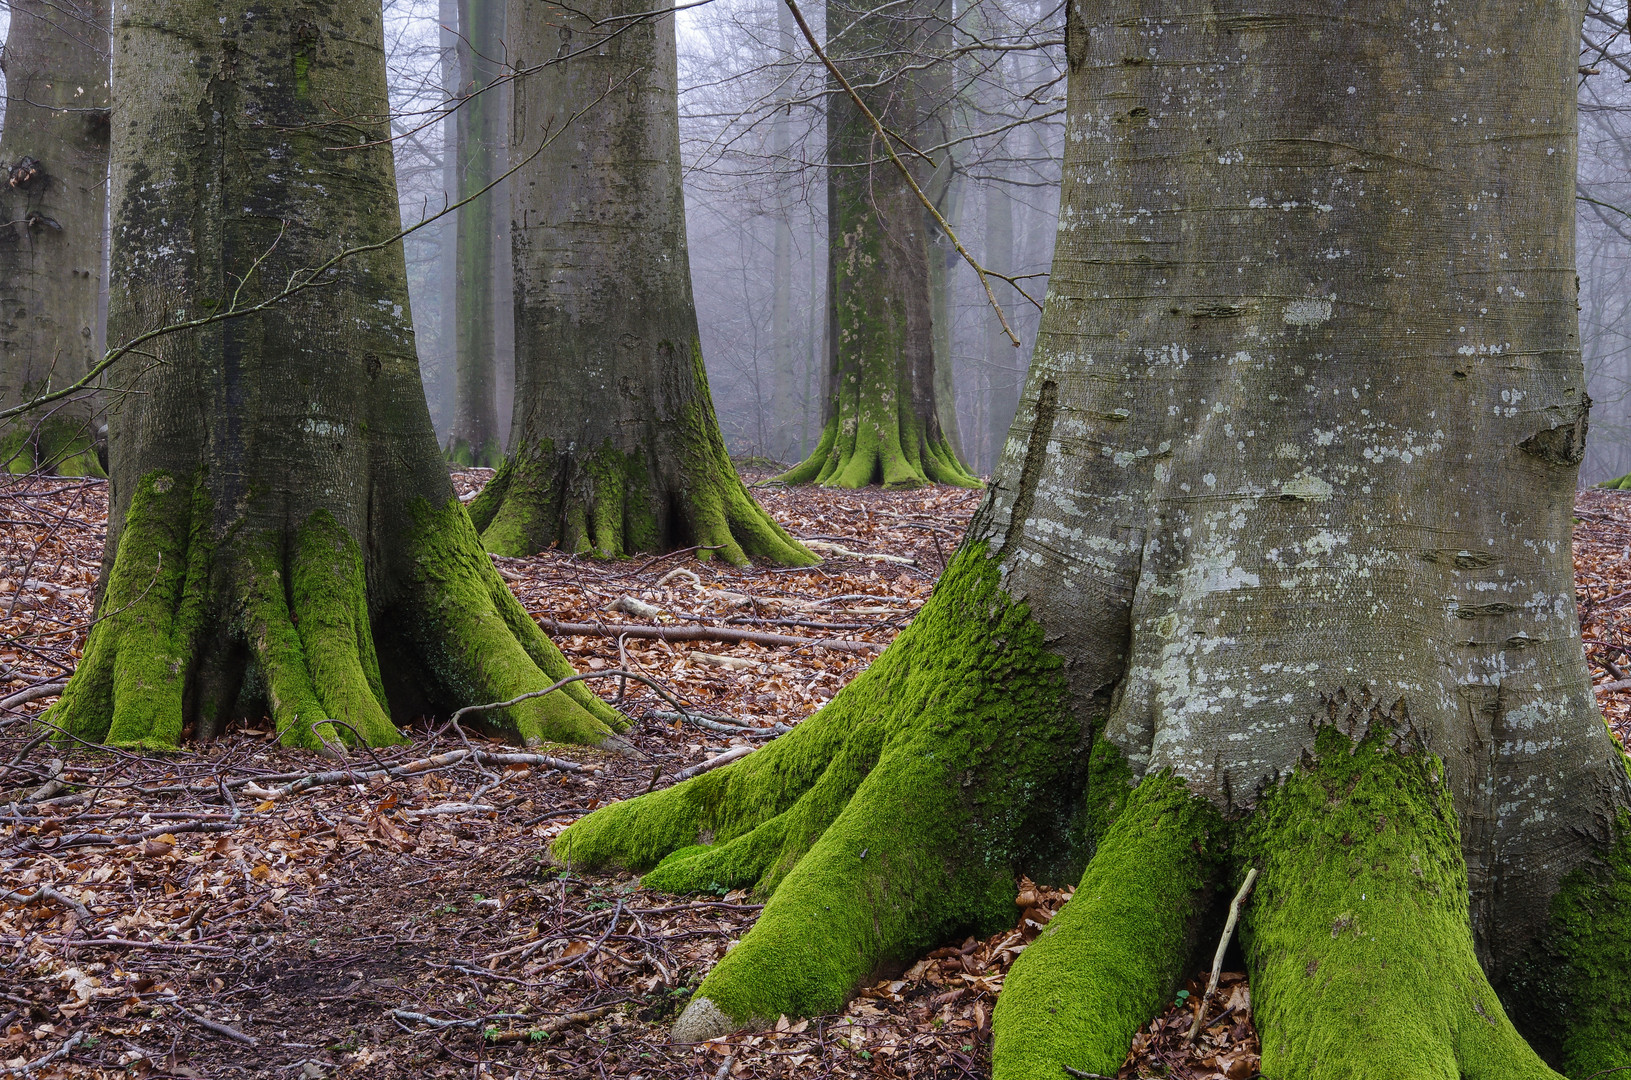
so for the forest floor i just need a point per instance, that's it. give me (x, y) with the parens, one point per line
(187, 916)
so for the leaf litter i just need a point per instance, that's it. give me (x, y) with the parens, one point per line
(215, 912)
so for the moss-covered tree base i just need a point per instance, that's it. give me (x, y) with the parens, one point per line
(887, 823)
(56, 446)
(463, 454)
(891, 449)
(611, 503)
(1357, 939)
(1114, 954)
(197, 628)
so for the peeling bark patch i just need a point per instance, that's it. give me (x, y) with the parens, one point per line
(1479, 611)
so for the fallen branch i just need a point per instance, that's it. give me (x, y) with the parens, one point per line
(1611, 687)
(46, 892)
(33, 693)
(212, 1025)
(730, 727)
(548, 1027)
(702, 633)
(735, 753)
(60, 1052)
(1217, 958)
(411, 768)
(838, 549)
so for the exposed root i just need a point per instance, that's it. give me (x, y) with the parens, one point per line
(1114, 954)
(887, 823)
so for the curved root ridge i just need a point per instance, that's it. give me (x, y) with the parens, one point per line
(612, 504)
(888, 822)
(863, 452)
(1114, 954)
(184, 616)
(482, 646)
(1357, 939)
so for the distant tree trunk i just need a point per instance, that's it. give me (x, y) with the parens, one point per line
(615, 445)
(1274, 574)
(283, 537)
(53, 201)
(785, 444)
(1001, 358)
(475, 438)
(881, 422)
(943, 259)
(440, 378)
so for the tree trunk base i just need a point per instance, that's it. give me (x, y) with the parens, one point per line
(898, 817)
(464, 455)
(613, 504)
(886, 824)
(197, 629)
(61, 447)
(856, 455)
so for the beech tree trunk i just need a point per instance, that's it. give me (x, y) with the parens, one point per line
(476, 438)
(283, 536)
(53, 194)
(881, 422)
(1274, 573)
(615, 445)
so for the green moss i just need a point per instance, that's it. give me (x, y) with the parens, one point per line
(479, 644)
(887, 823)
(1572, 989)
(489, 455)
(319, 658)
(612, 502)
(1357, 939)
(128, 687)
(60, 445)
(1114, 954)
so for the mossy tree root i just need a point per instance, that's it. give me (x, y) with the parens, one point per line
(1115, 953)
(1357, 939)
(887, 823)
(191, 619)
(463, 454)
(613, 504)
(60, 445)
(898, 452)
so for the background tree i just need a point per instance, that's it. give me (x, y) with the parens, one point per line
(881, 424)
(616, 445)
(53, 198)
(283, 534)
(1239, 595)
(476, 437)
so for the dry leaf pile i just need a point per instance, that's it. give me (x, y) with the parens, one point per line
(239, 909)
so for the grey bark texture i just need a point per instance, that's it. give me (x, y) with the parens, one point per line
(53, 197)
(283, 535)
(615, 445)
(1306, 408)
(476, 437)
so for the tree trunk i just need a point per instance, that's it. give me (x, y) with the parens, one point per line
(475, 437)
(616, 448)
(881, 424)
(1241, 593)
(53, 172)
(1001, 358)
(282, 534)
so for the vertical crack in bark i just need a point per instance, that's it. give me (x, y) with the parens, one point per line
(1047, 408)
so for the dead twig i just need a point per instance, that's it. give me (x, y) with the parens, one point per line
(1217, 958)
(702, 633)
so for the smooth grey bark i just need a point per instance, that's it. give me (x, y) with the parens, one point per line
(476, 438)
(1002, 368)
(1310, 388)
(615, 445)
(282, 532)
(53, 201)
(786, 443)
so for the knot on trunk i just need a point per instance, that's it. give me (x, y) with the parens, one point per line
(27, 175)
